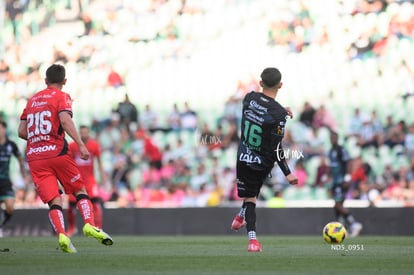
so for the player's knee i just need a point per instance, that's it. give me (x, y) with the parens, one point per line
(81, 196)
(96, 200)
(250, 199)
(55, 206)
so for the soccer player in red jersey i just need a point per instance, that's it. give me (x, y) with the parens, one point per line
(43, 124)
(87, 171)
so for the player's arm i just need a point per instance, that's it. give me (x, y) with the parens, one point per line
(282, 163)
(280, 157)
(21, 166)
(289, 112)
(18, 155)
(101, 170)
(22, 130)
(347, 164)
(69, 126)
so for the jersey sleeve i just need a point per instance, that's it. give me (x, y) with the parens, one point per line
(96, 149)
(279, 133)
(247, 98)
(23, 116)
(16, 151)
(281, 160)
(64, 103)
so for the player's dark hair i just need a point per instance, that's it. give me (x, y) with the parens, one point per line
(3, 123)
(55, 73)
(271, 77)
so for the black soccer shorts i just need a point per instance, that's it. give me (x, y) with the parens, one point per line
(250, 181)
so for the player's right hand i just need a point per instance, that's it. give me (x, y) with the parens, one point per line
(289, 111)
(292, 179)
(84, 153)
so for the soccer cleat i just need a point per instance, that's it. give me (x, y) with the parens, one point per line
(356, 227)
(99, 234)
(65, 244)
(254, 246)
(238, 223)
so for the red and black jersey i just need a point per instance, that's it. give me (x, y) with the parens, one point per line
(45, 135)
(86, 167)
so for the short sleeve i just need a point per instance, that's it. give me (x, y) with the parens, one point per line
(23, 115)
(64, 103)
(16, 151)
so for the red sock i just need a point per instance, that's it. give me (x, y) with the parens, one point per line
(71, 217)
(86, 210)
(97, 210)
(56, 219)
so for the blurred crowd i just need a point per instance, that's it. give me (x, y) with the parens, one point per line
(184, 156)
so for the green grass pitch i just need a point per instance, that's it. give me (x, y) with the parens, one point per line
(208, 255)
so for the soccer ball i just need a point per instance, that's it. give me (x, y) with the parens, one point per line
(334, 233)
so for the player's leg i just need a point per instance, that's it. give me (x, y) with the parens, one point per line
(338, 195)
(71, 215)
(7, 197)
(58, 224)
(239, 220)
(93, 191)
(347, 219)
(84, 205)
(1, 219)
(89, 229)
(8, 211)
(69, 176)
(353, 226)
(97, 210)
(340, 212)
(48, 190)
(249, 183)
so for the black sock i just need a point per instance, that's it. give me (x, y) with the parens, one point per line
(7, 217)
(337, 214)
(342, 220)
(250, 216)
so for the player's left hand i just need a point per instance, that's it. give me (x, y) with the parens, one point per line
(292, 179)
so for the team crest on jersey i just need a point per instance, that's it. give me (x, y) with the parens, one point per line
(68, 101)
(280, 130)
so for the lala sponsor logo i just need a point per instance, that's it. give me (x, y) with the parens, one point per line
(248, 158)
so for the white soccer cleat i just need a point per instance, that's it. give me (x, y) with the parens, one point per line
(355, 229)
